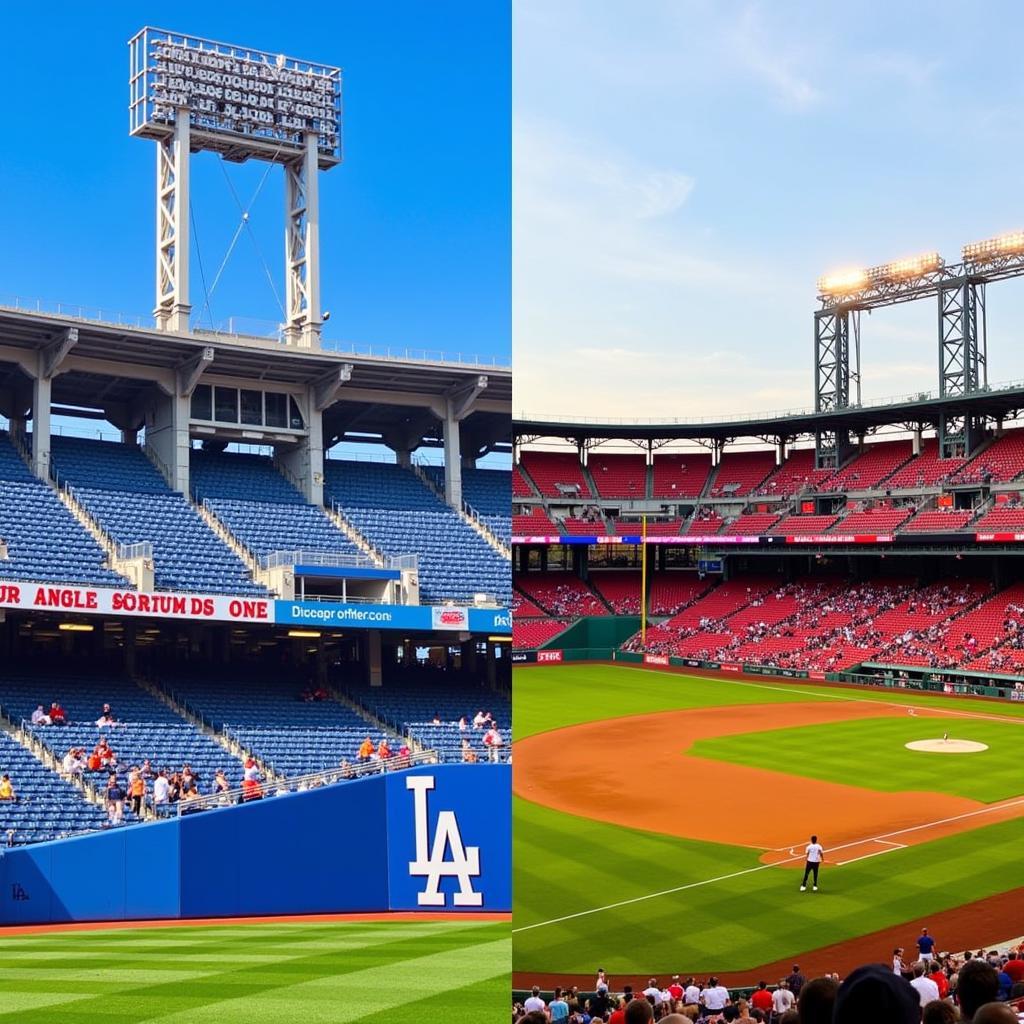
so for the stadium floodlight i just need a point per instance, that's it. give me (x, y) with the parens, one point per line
(1010, 244)
(907, 269)
(843, 282)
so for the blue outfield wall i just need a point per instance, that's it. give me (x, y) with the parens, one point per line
(434, 838)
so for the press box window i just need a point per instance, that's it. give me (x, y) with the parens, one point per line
(202, 402)
(252, 407)
(277, 410)
(225, 405)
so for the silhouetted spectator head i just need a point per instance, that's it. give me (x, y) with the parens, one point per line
(978, 983)
(816, 1000)
(995, 1013)
(873, 992)
(639, 1011)
(939, 1011)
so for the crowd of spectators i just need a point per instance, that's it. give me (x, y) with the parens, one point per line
(983, 987)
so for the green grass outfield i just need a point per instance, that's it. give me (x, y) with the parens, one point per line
(259, 974)
(567, 866)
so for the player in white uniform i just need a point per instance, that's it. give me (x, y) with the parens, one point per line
(815, 854)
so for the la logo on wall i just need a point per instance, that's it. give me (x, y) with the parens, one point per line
(464, 863)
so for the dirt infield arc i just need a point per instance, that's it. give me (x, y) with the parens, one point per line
(569, 770)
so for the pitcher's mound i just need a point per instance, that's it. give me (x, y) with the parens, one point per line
(948, 746)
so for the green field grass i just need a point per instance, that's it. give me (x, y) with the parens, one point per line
(873, 753)
(565, 865)
(261, 973)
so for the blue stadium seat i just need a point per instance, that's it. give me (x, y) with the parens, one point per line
(127, 496)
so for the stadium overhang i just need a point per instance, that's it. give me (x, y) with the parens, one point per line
(366, 396)
(924, 410)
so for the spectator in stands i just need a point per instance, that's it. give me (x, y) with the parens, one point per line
(1014, 966)
(366, 750)
(639, 1011)
(493, 742)
(384, 749)
(136, 792)
(782, 999)
(995, 1013)
(534, 1002)
(74, 762)
(876, 993)
(817, 998)
(938, 975)
(939, 1011)
(927, 989)
(58, 716)
(714, 997)
(7, 789)
(761, 999)
(436, 720)
(105, 755)
(463, 724)
(173, 788)
(146, 771)
(558, 1008)
(977, 984)
(898, 966)
(107, 717)
(161, 793)
(480, 719)
(468, 754)
(220, 782)
(40, 717)
(251, 786)
(346, 769)
(115, 801)
(796, 981)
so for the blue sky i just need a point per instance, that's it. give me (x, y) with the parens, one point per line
(684, 170)
(415, 223)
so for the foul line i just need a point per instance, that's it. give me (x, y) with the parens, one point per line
(763, 867)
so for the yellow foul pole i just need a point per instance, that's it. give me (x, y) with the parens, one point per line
(643, 581)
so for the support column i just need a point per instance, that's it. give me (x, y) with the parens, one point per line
(168, 437)
(172, 228)
(916, 443)
(373, 657)
(452, 457)
(305, 462)
(302, 247)
(41, 388)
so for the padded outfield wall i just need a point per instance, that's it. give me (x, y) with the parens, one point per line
(433, 838)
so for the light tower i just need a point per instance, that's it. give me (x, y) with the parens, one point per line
(190, 94)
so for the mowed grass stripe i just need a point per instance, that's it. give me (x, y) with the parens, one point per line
(483, 1003)
(342, 998)
(247, 987)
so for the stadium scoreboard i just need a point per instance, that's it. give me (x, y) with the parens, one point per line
(242, 102)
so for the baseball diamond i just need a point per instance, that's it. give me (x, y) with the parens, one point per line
(661, 821)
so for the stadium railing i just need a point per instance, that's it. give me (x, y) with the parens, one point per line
(301, 783)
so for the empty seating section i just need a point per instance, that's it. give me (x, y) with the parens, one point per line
(560, 594)
(870, 467)
(129, 499)
(455, 562)
(741, 473)
(520, 485)
(703, 523)
(751, 524)
(939, 520)
(268, 718)
(655, 527)
(48, 807)
(795, 525)
(619, 476)
(410, 709)
(924, 470)
(1000, 462)
(146, 727)
(671, 592)
(680, 474)
(556, 474)
(796, 474)
(620, 588)
(584, 527)
(534, 524)
(875, 519)
(45, 542)
(1001, 517)
(524, 607)
(280, 520)
(528, 634)
(488, 492)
